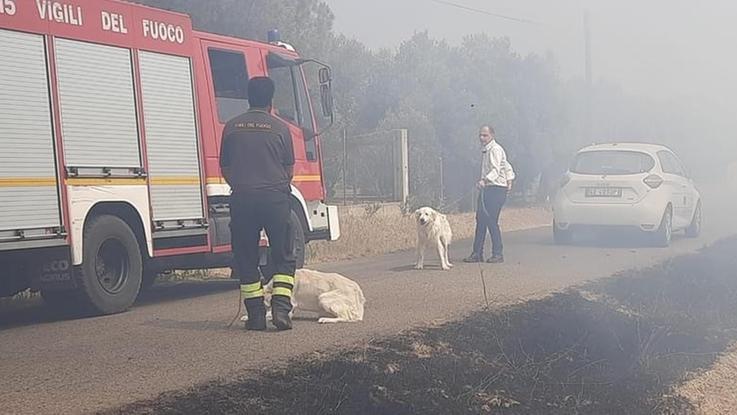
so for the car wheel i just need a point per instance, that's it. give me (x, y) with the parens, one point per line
(694, 229)
(664, 234)
(562, 236)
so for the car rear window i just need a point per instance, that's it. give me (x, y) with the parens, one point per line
(612, 162)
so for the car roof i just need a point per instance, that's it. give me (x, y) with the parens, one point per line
(627, 146)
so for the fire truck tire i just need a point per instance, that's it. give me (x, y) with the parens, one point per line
(110, 276)
(148, 279)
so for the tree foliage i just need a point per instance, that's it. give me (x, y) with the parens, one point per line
(443, 93)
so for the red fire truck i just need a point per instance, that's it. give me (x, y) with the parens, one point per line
(110, 121)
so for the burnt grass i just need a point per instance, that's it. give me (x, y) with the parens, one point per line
(614, 346)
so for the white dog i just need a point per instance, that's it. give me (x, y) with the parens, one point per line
(433, 231)
(335, 298)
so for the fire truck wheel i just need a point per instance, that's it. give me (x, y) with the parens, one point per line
(112, 269)
(148, 279)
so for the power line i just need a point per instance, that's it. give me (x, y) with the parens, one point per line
(486, 12)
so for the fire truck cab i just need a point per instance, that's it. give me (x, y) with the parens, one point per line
(111, 116)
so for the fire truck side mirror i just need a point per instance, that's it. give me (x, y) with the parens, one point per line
(324, 75)
(326, 93)
(326, 98)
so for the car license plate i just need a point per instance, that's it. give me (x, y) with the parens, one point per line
(603, 192)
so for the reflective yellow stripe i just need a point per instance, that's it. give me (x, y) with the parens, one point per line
(286, 279)
(254, 290)
(254, 294)
(298, 179)
(106, 182)
(160, 181)
(176, 181)
(307, 178)
(27, 182)
(283, 291)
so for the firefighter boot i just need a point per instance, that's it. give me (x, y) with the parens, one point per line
(256, 314)
(253, 297)
(281, 308)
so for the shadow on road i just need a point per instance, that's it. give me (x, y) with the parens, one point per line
(27, 312)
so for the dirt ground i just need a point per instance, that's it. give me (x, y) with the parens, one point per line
(713, 390)
(628, 344)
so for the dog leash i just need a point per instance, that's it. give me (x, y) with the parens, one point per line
(444, 207)
(240, 308)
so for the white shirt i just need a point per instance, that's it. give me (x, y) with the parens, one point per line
(495, 168)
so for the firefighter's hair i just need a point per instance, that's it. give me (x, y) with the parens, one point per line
(260, 91)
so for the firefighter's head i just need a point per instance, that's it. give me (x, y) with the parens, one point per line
(260, 92)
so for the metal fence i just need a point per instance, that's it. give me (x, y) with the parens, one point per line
(374, 168)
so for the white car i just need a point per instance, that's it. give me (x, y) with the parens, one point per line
(627, 185)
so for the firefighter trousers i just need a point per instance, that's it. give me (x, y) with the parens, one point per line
(249, 213)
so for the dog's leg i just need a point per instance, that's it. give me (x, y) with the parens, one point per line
(330, 320)
(442, 255)
(447, 258)
(420, 255)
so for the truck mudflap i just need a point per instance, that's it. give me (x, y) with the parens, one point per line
(53, 270)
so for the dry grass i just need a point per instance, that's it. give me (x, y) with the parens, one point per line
(379, 229)
(714, 391)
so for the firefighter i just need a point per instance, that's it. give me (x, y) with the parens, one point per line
(257, 161)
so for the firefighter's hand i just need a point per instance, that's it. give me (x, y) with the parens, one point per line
(481, 184)
(509, 186)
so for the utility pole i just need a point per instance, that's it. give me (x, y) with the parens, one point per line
(442, 182)
(588, 123)
(401, 166)
(345, 165)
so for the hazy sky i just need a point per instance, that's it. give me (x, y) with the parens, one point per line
(666, 48)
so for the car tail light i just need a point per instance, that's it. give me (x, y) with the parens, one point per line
(653, 181)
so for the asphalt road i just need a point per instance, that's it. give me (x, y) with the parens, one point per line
(177, 336)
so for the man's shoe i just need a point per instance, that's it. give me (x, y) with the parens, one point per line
(281, 306)
(474, 258)
(496, 260)
(256, 315)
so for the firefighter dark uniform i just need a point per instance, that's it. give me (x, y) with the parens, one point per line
(257, 158)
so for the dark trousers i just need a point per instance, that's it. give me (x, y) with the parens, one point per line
(489, 206)
(249, 213)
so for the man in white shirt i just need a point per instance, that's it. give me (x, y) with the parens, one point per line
(495, 182)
